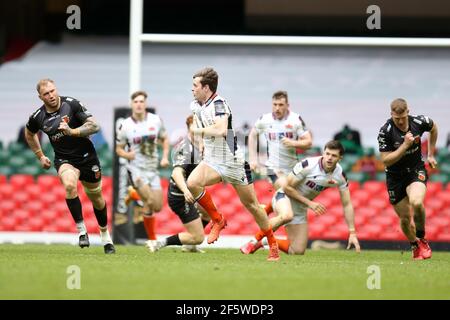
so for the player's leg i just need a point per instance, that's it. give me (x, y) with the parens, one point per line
(278, 181)
(93, 191)
(69, 175)
(247, 197)
(284, 214)
(297, 239)
(202, 176)
(416, 193)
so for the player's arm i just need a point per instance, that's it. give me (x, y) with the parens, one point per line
(121, 152)
(349, 215)
(90, 126)
(219, 128)
(166, 148)
(252, 148)
(198, 141)
(34, 144)
(179, 176)
(290, 188)
(389, 158)
(303, 142)
(432, 145)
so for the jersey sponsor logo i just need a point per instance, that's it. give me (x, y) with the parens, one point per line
(66, 119)
(315, 186)
(289, 126)
(273, 136)
(417, 121)
(57, 136)
(143, 139)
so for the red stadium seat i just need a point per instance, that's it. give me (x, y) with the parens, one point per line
(34, 207)
(36, 224)
(20, 197)
(8, 223)
(362, 195)
(34, 191)
(374, 187)
(379, 202)
(434, 203)
(3, 179)
(65, 225)
(8, 207)
(47, 182)
(20, 181)
(353, 186)
(443, 237)
(48, 199)
(434, 187)
(21, 216)
(6, 191)
(48, 216)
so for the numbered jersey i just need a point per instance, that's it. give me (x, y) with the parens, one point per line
(142, 138)
(217, 150)
(314, 179)
(292, 126)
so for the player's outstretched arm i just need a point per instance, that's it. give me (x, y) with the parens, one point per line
(290, 188)
(90, 126)
(120, 151)
(252, 149)
(219, 128)
(349, 215)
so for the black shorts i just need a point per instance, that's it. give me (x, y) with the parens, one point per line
(90, 169)
(185, 211)
(398, 182)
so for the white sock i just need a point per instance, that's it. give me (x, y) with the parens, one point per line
(104, 235)
(264, 241)
(81, 228)
(163, 242)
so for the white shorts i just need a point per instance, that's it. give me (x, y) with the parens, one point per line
(233, 172)
(146, 176)
(300, 211)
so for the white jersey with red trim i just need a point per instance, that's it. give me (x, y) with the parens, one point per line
(292, 126)
(142, 138)
(217, 150)
(314, 179)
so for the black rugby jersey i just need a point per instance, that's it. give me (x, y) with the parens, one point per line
(187, 156)
(65, 147)
(391, 137)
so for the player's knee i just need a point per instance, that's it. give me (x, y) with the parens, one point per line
(71, 188)
(157, 207)
(297, 251)
(287, 218)
(197, 238)
(416, 203)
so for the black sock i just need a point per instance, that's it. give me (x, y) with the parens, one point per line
(414, 244)
(420, 234)
(75, 209)
(205, 223)
(174, 240)
(102, 217)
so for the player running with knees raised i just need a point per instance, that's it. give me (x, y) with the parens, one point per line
(308, 178)
(68, 125)
(222, 158)
(142, 132)
(406, 177)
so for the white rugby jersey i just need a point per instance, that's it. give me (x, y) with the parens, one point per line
(218, 150)
(142, 138)
(291, 126)
(314, 178)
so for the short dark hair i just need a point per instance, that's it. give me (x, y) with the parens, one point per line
(208, 77)
(335, 145)
(138, 93)
(280, 94)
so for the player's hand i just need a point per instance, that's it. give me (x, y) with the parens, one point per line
(254, 166)
(287, 142)
(432, 161)
(164, 163)
(45, 162)
(64, 127)
(188, 197)
(353, 240)
(318, 208)
(409, 139)
(131, 155)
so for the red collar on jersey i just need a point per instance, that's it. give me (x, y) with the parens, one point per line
(210, 99)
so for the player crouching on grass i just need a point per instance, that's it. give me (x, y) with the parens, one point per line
(306, 181)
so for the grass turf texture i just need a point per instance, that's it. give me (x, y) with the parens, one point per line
(40, 272)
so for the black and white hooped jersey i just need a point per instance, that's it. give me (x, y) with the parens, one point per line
(314, 179)
(291, 126)
(217, 149)
(390, 139)
(74, 114)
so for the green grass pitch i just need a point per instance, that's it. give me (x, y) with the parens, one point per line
(40, 272)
